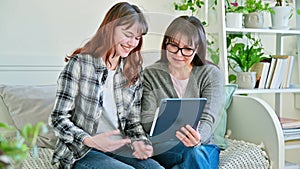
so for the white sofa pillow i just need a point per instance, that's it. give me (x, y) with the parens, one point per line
(31, 104)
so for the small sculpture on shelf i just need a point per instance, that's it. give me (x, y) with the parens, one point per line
(255, 17)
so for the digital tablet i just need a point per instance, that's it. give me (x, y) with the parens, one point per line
(172, 114)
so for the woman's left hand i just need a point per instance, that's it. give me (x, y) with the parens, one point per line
(188, 136)
(141, 150)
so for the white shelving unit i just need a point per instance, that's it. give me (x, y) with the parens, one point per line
(279, 34)
(278, 96)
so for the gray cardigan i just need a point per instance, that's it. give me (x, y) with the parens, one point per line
(205, 81)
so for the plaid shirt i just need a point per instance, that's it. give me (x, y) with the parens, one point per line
(79, 106)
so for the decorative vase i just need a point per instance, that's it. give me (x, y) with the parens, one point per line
(246, 80)
(280, 19)
(254, 20)
(234, 20)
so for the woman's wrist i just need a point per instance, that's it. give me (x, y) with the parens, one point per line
(88, 141)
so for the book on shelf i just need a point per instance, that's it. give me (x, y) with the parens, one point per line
(291, 134)
(290, 128)
(279, 72)
(292, 143)
(272, 62)
(289, 72)
(289, 131)
(291, 165)
(289, 122)
(261, 70)
(291, 137)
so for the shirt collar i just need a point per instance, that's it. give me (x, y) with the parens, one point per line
(100, 65)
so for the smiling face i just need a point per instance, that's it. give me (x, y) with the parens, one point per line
(126, 39)
(177, 59)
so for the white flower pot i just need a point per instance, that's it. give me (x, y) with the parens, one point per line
(280, 19)
(246, 80)
(234, 20)
(254, 20)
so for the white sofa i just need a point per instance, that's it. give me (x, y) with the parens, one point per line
(254, 140)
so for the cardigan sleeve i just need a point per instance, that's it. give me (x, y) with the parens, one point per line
(211, 87)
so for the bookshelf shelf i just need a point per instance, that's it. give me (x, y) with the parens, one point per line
(292, 31)
(261, 91)
(279, 44)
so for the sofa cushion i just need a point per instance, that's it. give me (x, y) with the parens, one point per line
(220, 124)
(30, 104)
(4, 114)
(43, 161)
(245, 155)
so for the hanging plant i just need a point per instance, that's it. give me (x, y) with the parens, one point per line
(191, 5)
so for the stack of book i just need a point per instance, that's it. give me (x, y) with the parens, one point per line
(275, 72)
(290, 165)
(291, 128)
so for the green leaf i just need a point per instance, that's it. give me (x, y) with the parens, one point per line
(17, 148)
(183, 7)
(246, 55)
(232, 78)
(6, 126)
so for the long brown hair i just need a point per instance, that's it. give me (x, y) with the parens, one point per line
(192, 28)
(102, 43)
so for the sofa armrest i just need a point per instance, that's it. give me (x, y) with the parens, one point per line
(252, 119)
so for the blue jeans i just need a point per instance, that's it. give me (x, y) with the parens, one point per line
(180, 156)
(95, 159)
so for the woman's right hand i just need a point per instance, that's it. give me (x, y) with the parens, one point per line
(103, 143)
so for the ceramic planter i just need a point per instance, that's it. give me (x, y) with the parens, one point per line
(254, 20)
(246, 80)
(234, 20)
(280, 19)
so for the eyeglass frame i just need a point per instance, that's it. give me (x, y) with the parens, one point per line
(179, 49)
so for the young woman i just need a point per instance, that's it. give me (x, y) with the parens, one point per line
(97, 111)
(183, 71)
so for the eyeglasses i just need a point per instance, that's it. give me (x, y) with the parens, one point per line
(187, 52)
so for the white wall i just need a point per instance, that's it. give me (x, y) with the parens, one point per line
(45, 31)
(36, 35)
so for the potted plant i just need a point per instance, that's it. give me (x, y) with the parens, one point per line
(242, 56)
(15, 145)
(282, 14)
(194, 7)
(186, 5)
(254, 17)
(234, 14)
